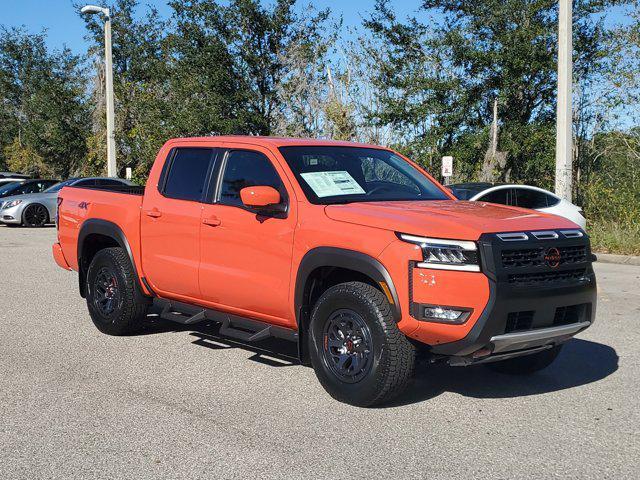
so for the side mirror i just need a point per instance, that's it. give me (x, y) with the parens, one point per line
(260, 196)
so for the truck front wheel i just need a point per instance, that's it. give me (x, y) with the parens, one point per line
(115, 305)
(359, 355)
(527, 364)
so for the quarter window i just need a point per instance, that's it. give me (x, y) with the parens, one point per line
(526, 198)
(187, 177)
(246, 168)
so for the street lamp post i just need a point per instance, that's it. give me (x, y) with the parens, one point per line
(112, 170)
(564, 131)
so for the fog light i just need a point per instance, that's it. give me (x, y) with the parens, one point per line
(436, 313)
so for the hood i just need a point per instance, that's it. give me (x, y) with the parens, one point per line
(445, 218)
(29, 197)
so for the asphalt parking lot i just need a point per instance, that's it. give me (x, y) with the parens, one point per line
(178, 403)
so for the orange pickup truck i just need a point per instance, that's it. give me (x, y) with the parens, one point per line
(352, 251)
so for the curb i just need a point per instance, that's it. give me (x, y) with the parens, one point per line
(619, 259)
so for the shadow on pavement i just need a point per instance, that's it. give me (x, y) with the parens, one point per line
(581, 362)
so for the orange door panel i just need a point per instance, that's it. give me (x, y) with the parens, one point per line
(171, 221)
(171, 247)
(245, 260)
(246, 257)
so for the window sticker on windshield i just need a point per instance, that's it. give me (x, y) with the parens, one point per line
(329, 184)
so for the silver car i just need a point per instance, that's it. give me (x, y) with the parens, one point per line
(39, 209)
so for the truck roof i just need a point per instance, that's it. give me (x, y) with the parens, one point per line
(272, 141)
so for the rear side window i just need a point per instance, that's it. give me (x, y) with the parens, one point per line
(85, 183)
(526, 198)
(247, 169)
(187, 176)
(105, 182)
(497, 196)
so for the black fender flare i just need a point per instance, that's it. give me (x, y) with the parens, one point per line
(343, 258)
(107, 229)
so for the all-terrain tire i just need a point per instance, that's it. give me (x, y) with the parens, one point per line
(390, 362)
(115, 303)
(527, 364)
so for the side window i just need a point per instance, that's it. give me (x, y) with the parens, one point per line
(26, 188)
(552, 201)
(40, 186)
(84, 183)
(526, 198)
(247, 169)
(104, 182)
(187, 177)
(497, 196)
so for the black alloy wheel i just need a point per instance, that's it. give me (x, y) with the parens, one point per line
(35, 215)
(107, 297)
(347, 345)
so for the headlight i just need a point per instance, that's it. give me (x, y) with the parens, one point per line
(445, 254)
(12, 203)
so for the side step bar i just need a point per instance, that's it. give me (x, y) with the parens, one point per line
(241, 328)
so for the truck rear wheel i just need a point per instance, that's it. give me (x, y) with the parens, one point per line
(358, 354)
(527, 364)
(115, 305)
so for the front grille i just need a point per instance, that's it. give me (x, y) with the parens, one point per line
(575, 254)
(528, 257)
(570, 314)
(519, 321)
(534, 257)
(546, 278)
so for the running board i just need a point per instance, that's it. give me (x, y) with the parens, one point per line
(241, 328)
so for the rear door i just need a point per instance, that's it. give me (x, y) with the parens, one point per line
(170, 221)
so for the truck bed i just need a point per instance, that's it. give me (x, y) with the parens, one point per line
(118, 205)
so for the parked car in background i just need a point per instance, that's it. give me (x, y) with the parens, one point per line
(523, 196)
(13, 176)
(38, 209)
(21, 187)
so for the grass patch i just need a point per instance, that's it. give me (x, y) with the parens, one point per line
(613, 237)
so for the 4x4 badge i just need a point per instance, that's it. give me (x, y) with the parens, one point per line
(552, 257)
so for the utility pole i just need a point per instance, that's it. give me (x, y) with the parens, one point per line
(112, 168)
(564, 130)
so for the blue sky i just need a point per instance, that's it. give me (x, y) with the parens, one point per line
(65, 27)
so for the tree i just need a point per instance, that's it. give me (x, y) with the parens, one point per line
(43, 111)
(444, 74)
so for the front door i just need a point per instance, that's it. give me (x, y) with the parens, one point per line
(245, 256)
(170, 222)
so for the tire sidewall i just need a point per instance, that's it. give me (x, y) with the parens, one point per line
(105, 323)
(361, 391)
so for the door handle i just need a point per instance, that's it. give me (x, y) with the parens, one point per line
(212, 221)
(155, 213)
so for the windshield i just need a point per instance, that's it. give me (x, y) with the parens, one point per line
(7, 187)
(355, 174)
(58, 186)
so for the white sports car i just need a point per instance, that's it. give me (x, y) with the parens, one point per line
(524, 196)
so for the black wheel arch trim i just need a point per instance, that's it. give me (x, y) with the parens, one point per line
(108, 229)
(342, 258)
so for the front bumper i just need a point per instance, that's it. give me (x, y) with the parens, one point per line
(529, 305)
(11, 215)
